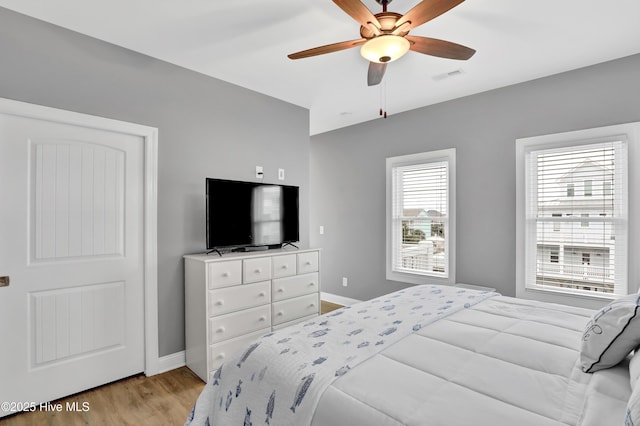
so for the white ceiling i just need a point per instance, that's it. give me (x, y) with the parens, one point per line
(246, 42)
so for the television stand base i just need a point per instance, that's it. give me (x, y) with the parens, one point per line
(251, 248)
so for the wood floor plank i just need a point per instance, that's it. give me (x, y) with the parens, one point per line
(328, 306)
(164, 399)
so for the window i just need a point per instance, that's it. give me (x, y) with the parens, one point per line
(421, 217)
(571, 190)
(589, 255)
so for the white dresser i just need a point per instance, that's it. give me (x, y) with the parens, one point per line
(233, 299)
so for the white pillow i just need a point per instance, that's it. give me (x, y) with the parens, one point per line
(611, 334)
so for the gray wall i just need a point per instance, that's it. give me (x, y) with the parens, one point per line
(206, 128)
(348, 171)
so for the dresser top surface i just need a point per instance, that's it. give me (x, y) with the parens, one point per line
(215, 257)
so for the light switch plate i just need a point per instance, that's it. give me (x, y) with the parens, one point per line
(280, 174)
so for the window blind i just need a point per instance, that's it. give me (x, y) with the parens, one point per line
(420, 207)
(576, 218)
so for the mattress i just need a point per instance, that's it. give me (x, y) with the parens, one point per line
(495, 361)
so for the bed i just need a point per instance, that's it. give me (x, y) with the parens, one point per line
(436, 355)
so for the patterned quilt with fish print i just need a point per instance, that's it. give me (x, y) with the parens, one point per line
(279, 378)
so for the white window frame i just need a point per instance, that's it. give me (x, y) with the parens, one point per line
(448, 155)
(629, 132)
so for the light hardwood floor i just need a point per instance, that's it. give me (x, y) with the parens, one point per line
(165, 399)
(328, 306)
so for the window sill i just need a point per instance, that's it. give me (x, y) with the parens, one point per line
(419, 279)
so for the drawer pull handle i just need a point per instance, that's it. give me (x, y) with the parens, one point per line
(257, 270)
(219, 302)
(220, 330)
(225, 275)
(308, 263)
(311, 284)
(313, 305)
(281, 290)
(220, 356)
(284, 267)
(280, 313)
(262, 294)
(262, 318)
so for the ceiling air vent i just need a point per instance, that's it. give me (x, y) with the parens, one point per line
(449, 74)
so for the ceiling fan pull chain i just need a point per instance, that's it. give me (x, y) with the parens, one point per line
(383, 102)
(383, 89)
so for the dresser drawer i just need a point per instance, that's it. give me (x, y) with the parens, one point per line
(258, 269)
(232, 325)
(295, 321)
(230, 299)
(284, 266)
(307, 262)
(221, 352)
(290, 309)
(224, 274)
(285, 288)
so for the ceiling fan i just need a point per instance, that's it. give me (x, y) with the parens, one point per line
(385, 36)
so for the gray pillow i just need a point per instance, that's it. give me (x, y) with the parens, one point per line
(612, 333)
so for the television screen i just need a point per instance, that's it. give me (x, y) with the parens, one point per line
(241, 214)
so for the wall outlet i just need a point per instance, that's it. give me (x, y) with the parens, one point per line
(345, 282)
(259, 172)
(280, 174)
(321, 230)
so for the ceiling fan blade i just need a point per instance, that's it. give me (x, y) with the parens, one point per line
(329, 48)
(426, 11)
(440, 48)
(358, 11)
(375, 73)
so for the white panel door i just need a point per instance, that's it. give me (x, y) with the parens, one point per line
(71, 243)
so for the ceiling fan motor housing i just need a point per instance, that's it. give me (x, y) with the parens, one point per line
(387, 25)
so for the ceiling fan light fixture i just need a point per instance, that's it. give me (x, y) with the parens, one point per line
(385, 48)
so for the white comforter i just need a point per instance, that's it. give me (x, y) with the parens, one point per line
(503, 361)
(281, 376)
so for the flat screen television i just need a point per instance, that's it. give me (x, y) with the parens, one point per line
(250, 214)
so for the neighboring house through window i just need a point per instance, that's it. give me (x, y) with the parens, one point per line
(421, 217)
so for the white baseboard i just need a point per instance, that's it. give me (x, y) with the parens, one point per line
(340, 300)
(171, 362)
